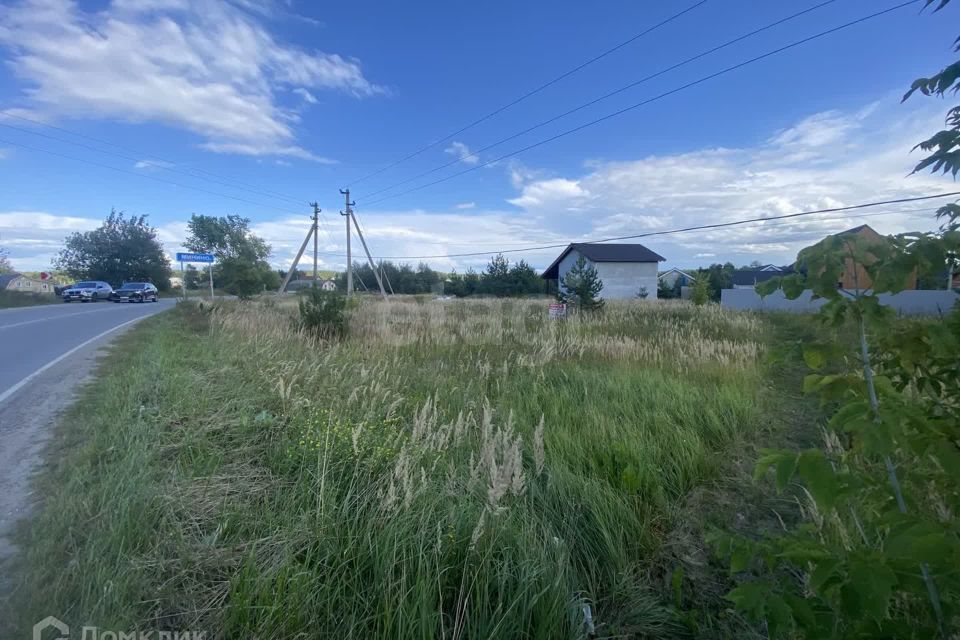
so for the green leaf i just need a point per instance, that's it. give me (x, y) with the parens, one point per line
(873, 583)
(825, 570)
(819, 478)
(802, 612)
(793, 286)
(676, 581)
(750, 597)
(811, 382)
(779, 616)
(786, 467)
(815, 357)
(767, 287)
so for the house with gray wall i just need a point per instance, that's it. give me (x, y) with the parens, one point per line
(624, 269)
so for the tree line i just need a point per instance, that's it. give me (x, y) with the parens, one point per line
(499, 278)
(125, 249)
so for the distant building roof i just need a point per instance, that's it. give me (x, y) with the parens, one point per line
(7, 278)
(754, 276)
(675, 270)
(604, 253)
(863, 227)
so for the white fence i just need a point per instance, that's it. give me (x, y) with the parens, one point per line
(911, 303)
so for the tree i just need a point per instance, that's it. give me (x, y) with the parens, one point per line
(241, 267)
(191, 277)
(5, 266)
(881, 559)
(121, 249)
(581, 287)
(496, 277)
(524, 279)
(700, 293)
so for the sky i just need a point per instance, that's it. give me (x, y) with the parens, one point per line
(174, 107)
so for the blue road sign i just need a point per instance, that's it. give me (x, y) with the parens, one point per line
(194, 257)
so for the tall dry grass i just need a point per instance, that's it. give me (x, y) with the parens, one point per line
(451, 469)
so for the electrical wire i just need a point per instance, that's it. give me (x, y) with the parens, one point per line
(533, 92)
(605, 96)
(637, 105)
(144, 157)
(716, 225)
(148, 177)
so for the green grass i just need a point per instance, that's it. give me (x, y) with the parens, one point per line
(13, 299)
(233, 476)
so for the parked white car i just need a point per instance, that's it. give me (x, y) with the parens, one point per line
(89, 291)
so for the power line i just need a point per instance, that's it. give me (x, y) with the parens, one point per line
(533, 92)
(615, 92)
(135, 159)
(717, 225)
(148, 156)
(637, 105)
(148, 177)
(522, 244)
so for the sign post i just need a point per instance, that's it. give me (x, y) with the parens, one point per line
(196, 257)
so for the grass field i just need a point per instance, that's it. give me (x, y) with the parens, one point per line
(450, 470)
(12, 299)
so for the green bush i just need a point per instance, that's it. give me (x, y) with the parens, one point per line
(323, 313)
(701, 291)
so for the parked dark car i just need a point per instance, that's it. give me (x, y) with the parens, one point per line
(89, 291)
(135, 292)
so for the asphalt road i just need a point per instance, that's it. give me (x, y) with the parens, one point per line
(46, 354)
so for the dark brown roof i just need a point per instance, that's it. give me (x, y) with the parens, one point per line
(596, 252)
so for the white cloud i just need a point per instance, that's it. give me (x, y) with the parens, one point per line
(552, 193)
(153, 164)
(306, 95)
(462, 152)
(4, 153)
(868, 159)
(826, 160)
(207, 66)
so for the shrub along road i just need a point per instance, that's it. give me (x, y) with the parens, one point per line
(46, 354)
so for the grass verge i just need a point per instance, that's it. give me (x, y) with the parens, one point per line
(14, 299)
(459, 470)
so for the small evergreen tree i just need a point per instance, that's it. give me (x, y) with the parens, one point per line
(323, 313)
(580, 287)
(701, 291)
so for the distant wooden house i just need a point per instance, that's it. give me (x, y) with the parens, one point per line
(854, 275)
(25, 284)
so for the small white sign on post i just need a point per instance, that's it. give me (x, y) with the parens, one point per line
(558, 310)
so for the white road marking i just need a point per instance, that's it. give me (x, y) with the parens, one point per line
(66, 315)
(12, 390)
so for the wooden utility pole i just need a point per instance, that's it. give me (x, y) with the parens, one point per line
(348, 215)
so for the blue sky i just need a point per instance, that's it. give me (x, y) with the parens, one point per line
(289, 101)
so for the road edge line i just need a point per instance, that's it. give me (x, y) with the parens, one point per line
(12, 390)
